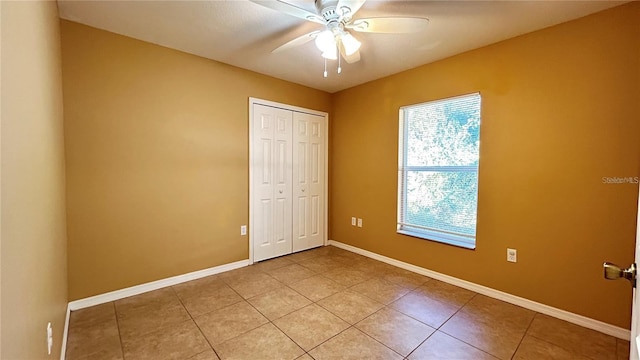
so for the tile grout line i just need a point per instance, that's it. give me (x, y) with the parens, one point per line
(461, 340)
(422, 342)
(276, 326)
(384, 306)
(443, 323)
(327, 340)
(389, 307)
(205, 338)
(456, 312)
(438, 301)
(316, 303)
(563, 348)
(195, 323)
(287, 335)
(447, 320)
(269, 321)
(115, 311)
(312, 303)
(380, 342)
(524, 335)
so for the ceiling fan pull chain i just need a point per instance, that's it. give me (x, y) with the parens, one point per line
(325, 67)
(339, 63)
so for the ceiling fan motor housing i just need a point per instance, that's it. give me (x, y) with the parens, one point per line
(330, 13)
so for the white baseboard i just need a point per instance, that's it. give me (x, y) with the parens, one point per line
(139, 289)
(154, 285)
(65, 333)
(584, 321)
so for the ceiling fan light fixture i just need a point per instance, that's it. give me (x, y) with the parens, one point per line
(330, 55)
(350, 43)
(326, 42)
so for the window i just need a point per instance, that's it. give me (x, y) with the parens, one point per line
(438, 170)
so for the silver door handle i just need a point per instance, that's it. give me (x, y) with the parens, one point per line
(614, 272)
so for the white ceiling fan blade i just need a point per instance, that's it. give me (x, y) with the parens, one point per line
(349, 6)
(300, 40)
(289, 9)
(355, 57)
(389, 25)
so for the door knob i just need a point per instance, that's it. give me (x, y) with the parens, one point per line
(614, 272)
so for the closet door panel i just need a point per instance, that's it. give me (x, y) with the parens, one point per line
(308, 181)
(271, 230)
(317, 180)
(262, 227)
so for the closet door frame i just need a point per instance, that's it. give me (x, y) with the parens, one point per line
(252, 191)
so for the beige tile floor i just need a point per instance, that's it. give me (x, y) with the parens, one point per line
(325, 303)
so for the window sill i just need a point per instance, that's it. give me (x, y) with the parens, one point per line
(445, 239)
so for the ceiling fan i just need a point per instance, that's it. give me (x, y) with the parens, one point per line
(337, 18)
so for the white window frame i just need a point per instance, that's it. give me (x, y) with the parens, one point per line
(464, 241)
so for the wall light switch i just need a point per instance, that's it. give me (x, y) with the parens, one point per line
(512, 255)
(353, 221)
(243, 230)
(359, 222)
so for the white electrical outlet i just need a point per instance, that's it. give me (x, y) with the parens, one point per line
(49, 338)
(243, 230)
(512, 255)
(359, 222)
(353, 221)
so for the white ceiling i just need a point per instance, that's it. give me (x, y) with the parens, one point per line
(242, 33)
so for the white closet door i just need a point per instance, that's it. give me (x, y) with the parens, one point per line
(272, 144)
(308, 180)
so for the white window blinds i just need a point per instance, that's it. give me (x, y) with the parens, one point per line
(438, 170)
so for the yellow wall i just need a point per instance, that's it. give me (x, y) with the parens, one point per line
(157, 158)
(34, 263)
(560, 110)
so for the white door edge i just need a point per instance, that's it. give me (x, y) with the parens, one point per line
(253, 101)
(634, 347)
